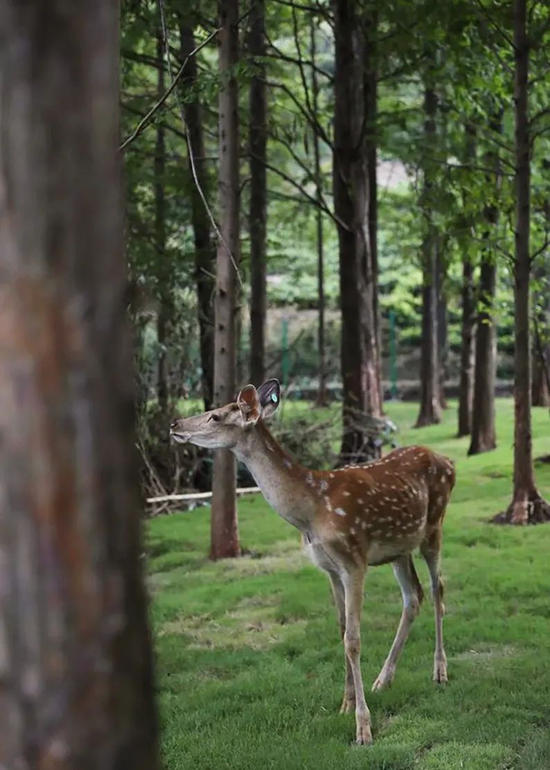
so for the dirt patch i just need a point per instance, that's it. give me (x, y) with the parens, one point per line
(486, 653)
(253, 623)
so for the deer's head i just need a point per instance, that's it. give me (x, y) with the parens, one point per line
(227, 426)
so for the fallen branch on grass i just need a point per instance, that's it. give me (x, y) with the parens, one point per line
(192, 496)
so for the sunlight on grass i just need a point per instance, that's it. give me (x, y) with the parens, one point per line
(249, 662)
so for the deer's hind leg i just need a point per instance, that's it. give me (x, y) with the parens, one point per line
(348, 701)
(353, 592)
(431, 551)
(412, 593)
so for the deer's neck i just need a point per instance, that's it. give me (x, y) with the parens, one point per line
(281, 479)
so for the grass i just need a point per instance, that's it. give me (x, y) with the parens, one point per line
(249, 663)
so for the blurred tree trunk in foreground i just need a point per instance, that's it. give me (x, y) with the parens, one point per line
(224, 540)
(75, 664)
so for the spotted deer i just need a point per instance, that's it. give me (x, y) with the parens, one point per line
(350, 518)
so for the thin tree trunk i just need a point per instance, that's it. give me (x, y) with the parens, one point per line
(163, 274)
(224, 530)
(258, 192)
(527, 505)
(468, 319)
(321, 392)
(371, 145)
(359, 356)
(483, 436)
(466, 386)
(205, 248)
(541, 371)
(430, 410)
(76, 686)
(483, 433)
(442, 351)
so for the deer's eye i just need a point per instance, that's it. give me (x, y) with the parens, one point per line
(215, 417)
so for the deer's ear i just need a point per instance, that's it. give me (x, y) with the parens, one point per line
(249, 404)
(269, 395)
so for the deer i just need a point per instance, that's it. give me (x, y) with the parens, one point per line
(350, 519)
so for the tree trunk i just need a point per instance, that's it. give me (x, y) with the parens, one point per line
(359, 356)
(483, 436)
(371, 146)
(442, 350)
(466, 386)
(205, 249)
(76, 686)
(321, 392)
(224, 531)
(527, 506)
(164, 292)
(258, 192)
(430, 410)
(541, 372)
(541, 342)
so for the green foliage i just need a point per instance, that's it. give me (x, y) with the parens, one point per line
(249, 663)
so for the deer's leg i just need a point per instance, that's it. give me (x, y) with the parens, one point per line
(412, 593)
(353, 590)
(348, 702)
(431, 550)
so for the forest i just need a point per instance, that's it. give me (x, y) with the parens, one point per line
(258, 257)
(368, 188)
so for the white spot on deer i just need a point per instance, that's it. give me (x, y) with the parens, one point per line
(328, 503)
(363, 525)
(352, 530)
(331, 475)
(340, 511)
(442, 479)
(346, 493)
(309, 479)
(360, 500)
(323, 486)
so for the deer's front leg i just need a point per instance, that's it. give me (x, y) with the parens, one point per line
(353, 589)
(348, 701)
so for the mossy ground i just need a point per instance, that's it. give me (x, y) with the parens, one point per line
(249, 662)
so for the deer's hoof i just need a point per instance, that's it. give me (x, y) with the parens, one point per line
(440, 672)
(364, 735)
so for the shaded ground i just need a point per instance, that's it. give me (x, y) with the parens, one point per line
(249, 663)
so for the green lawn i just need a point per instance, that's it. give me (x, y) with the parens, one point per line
(250, 668)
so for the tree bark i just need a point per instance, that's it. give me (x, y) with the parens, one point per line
(483, 433)
(321, 392)
(224, 530)
(164, 291)
(371, 152)
(76, 685)
(258, 192)
(442, 349)
(205, 248)
(359, 356)
(483, 436)
(527, 506)
(430, 409)
(466, 386)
